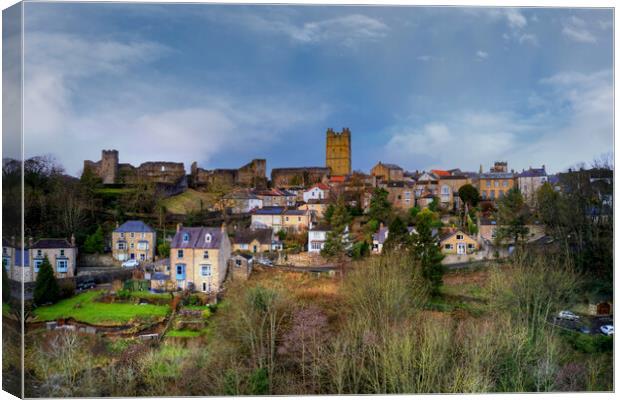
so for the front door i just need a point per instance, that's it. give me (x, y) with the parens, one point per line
(132, 256)
(254, 249)
(460, 248)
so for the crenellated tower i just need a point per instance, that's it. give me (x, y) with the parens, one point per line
(338, 152)
(108, 170)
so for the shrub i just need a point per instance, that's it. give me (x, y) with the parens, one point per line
(123, 293)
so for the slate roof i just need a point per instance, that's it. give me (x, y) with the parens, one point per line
(197, 237)
(497, 175)
(381, 235)
(532, 173)
(294, 212)
(52, 244)
(450, 234)
(159, 276)
(246, 236)
(134, 226)
(269, 211)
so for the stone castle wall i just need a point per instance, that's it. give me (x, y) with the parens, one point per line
(250, 175)
(304, 176)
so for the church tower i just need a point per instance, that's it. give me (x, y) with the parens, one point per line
(338, 152)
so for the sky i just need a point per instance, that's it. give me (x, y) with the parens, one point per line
(422, 87)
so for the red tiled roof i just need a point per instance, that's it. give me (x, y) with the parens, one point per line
(440, 172)
(337, 179)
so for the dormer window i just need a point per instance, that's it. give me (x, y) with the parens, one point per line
(208, 238)
(186, 237)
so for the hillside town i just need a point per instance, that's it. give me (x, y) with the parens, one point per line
(285, 220)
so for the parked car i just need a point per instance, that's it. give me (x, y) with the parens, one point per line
(130, 264)
(584, 329)
(265, 261)
(568, 315)
(607, 330)
(85, 284)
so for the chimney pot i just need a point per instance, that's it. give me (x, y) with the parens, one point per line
(179, 226)
(72, 240)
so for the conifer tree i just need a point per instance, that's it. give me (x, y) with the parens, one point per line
(425, 249)
(46, 289)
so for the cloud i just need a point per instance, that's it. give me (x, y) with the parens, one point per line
(463, 140)
(348, 30)
(575, 29)
(482, 55)
(515, 21)
(573, 110)
(424, 58)
(136, 116)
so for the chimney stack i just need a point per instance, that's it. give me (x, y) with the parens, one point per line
(13, 241)
(30, 242)
(72, 240)
(179, 226)
(223, 228)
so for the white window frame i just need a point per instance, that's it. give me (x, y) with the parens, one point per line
(205, 270)
(66, 266)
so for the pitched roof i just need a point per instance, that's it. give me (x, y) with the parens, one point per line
(248, 235)
(497, 175)
(197, 238)
(532, 173)
(440, 173)
(390, 166)
(159, 276)
(337, 179)
(450, 234)
(269, 211)
(134, 226)
(319, 185)
(52, 244)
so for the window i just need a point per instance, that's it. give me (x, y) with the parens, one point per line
(121, 245)
(163, 168)
(448, 246)
(4, 250)
(496, 183)
(180, 271)
(204, 286)
(205, 270)
(179, 253)
(37, 265)
(445, 190)
(287, 218)
(488, 183)
(492, 194)
(6, 261)
(61, 265)
(205, 255)
(122, 234)
(143, 245)
(39, 254)
(505, 183)
(315, 246)
(131, 245)
(238, 262)
(470, 246)
(299, 219)
(62, 252)
(186, 237)
(143, 235)
(459, 237)
(501, 193)
(142, 257)
(208, 238)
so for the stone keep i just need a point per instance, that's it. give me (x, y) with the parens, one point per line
(338, 152)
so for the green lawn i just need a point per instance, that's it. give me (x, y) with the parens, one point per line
(145, 294)
(189, 201)
(92, 312)
(113, 191)
(183, 333)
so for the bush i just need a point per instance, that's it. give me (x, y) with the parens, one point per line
(589, 343)
(163, 249)
(94, 243)
(123, 293)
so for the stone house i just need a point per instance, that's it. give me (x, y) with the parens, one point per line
(16, 262)
(488, 228)
(497, 182)
(379, 238)
(387, 172)
(458, 242)
(240, 267)
(61, 253)
(281, 218)
(134, 240)
(449, 190)
(529, 181)
(253, 240)
(400, 194)
(316, 207)
(319, 191)
(199, 258)
(426, 183)
(241, 201)
(275, 197)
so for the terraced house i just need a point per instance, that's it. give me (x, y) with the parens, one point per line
(198, 257)
(134, 240)
(61, 253)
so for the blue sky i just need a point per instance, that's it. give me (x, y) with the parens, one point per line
(421, 87)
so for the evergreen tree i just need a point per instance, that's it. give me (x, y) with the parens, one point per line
(398, 235)
(380, 207)
(94, 243)
(337, 243)
(46, 287)
(469, 195)
(425, 249)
